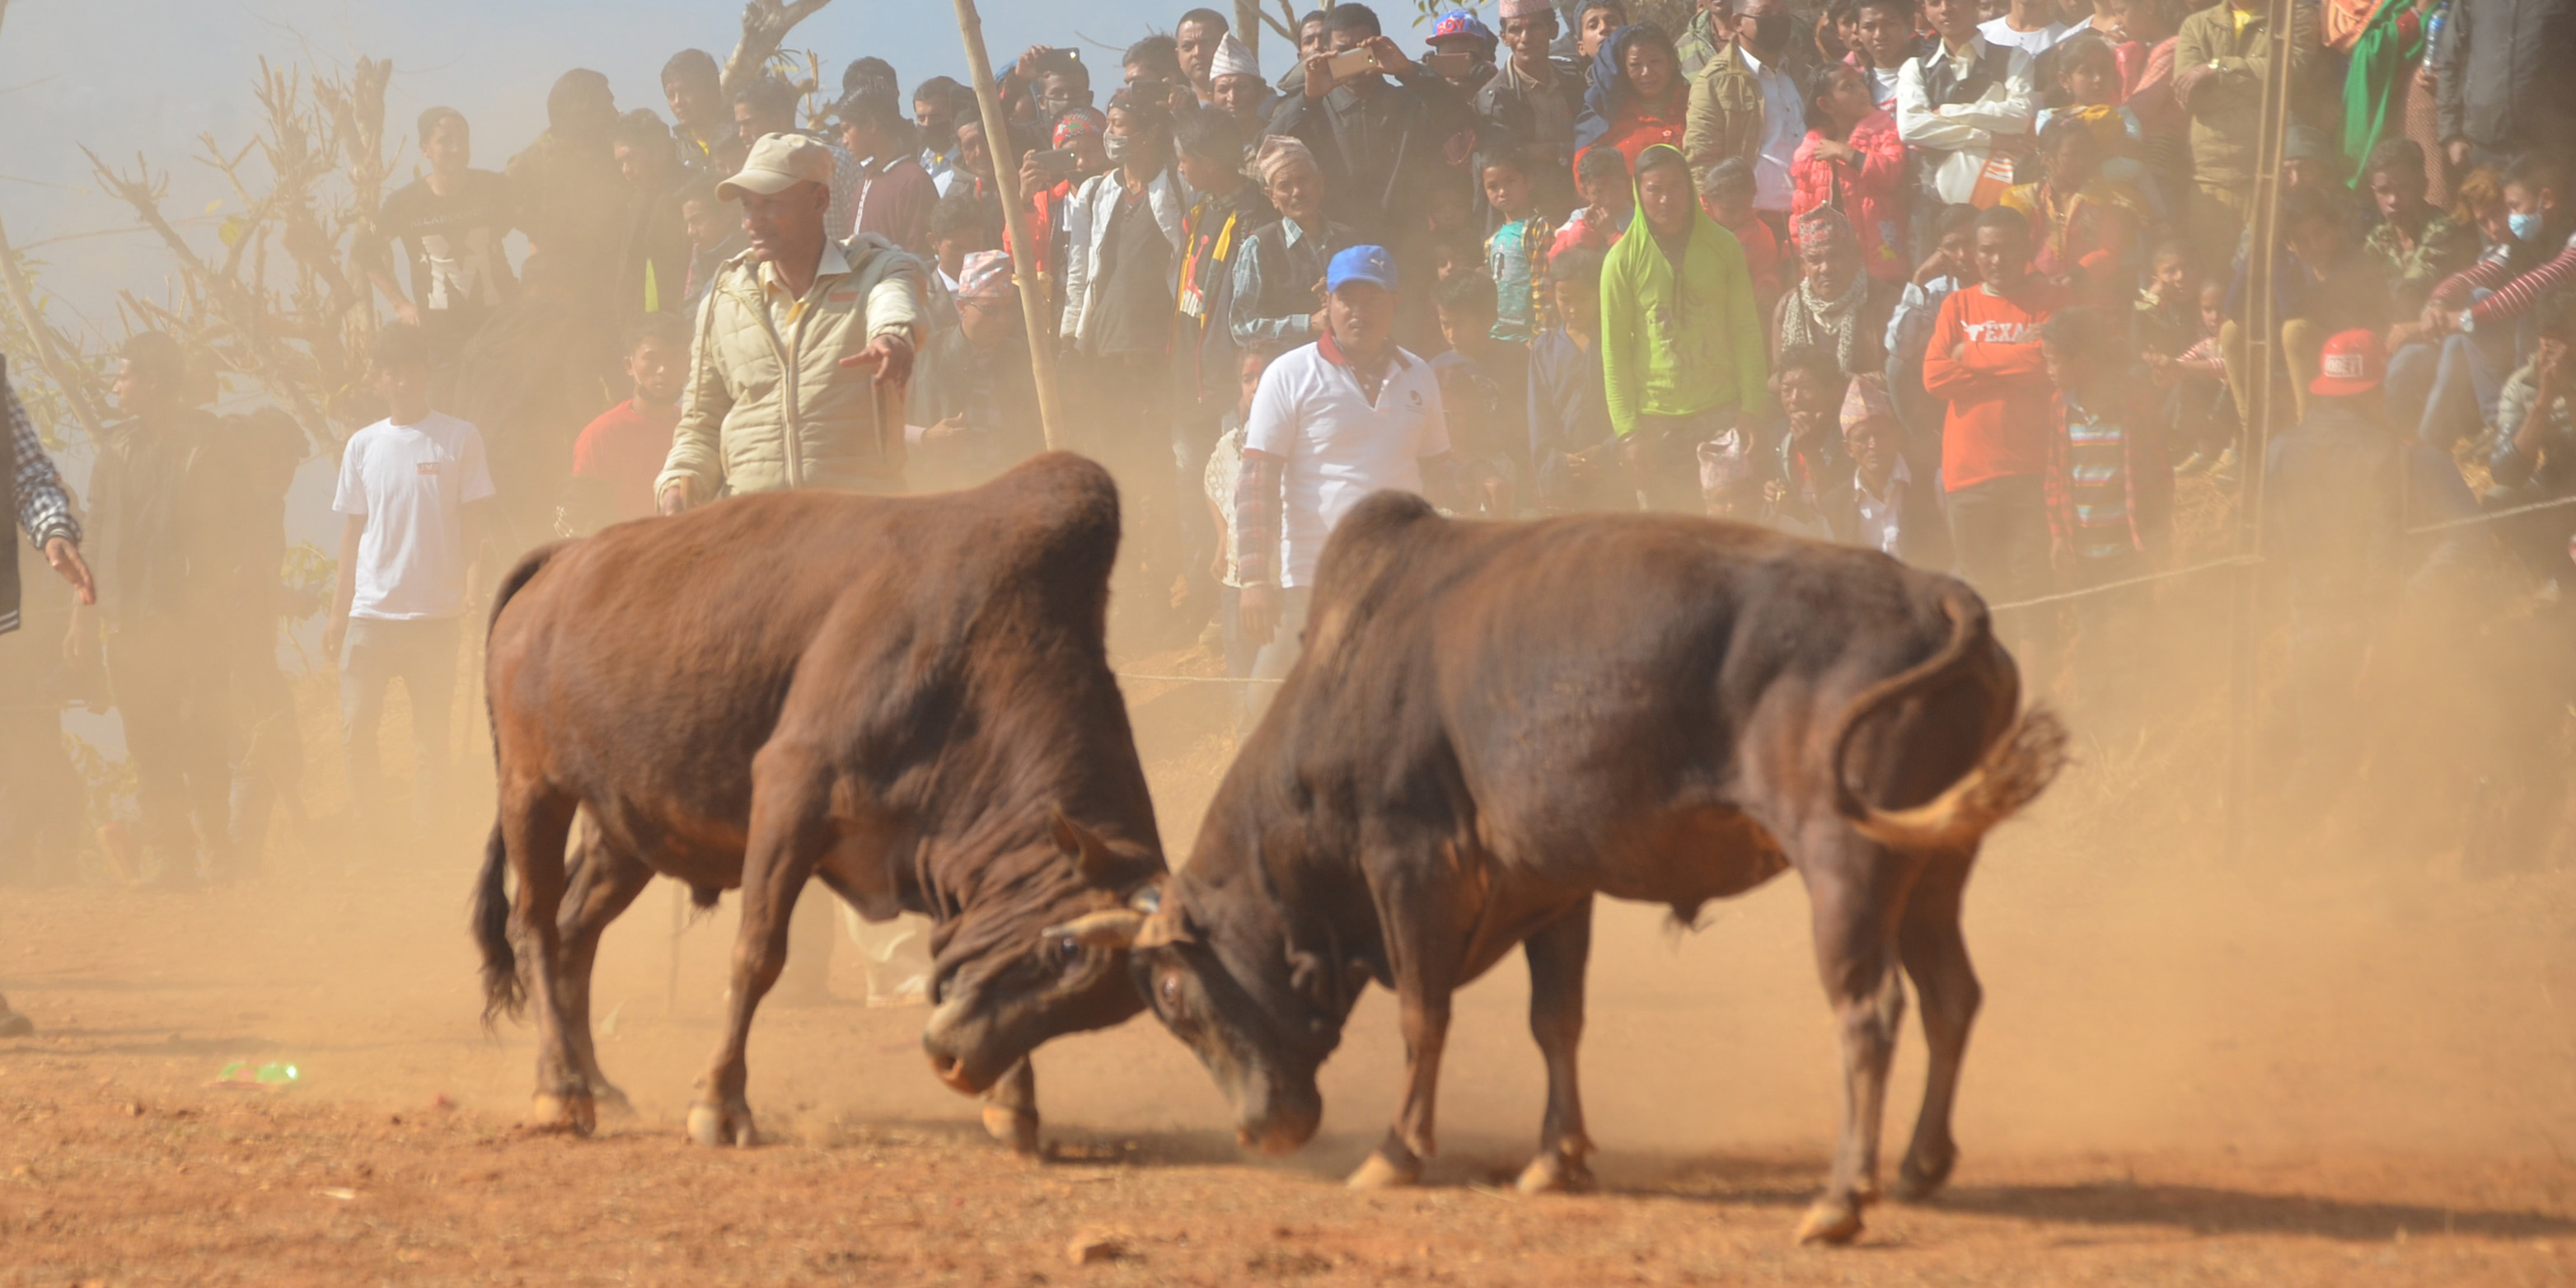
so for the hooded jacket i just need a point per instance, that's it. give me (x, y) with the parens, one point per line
(767, 409)
(1679, 344)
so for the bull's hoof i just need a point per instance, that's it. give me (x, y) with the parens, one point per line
(573, 1114)
(1830, 1220)
(1017, 1128)
(1555, 1173)
(1381, 1173)
(721, 1125)
(1918, 1182)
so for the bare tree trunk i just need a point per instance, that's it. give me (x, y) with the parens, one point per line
(765, 24)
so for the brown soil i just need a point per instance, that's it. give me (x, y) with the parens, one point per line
(2300, 1071)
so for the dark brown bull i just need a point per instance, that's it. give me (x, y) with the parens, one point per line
(1492, 723)
(908, 697)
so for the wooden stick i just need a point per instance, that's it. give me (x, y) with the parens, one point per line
(1015, 216)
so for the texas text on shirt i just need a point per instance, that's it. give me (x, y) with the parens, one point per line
(1336, 445)
(411, 483)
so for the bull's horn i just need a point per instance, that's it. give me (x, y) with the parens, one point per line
(1114, 928)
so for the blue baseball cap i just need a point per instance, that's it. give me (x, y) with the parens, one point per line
(1369, 264)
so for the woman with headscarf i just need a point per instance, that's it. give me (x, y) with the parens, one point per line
(1279, 272)
(1637, 97)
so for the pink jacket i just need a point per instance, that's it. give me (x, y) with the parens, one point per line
(1870, 194)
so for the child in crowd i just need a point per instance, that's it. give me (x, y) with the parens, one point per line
(2110, 502)
(1224, 469)
(1609, 201)
(1573, 447)
(1851, 161)
(1483, 384)
(1940, 273)
(1726, 193)
(1885, 40)
(2083, 227)
(1889, 511)
(1810, 484)
(2089, 91)
(618, 456)
(1516, 255)
(960, 225)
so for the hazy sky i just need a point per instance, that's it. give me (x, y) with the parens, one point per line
(152, 75)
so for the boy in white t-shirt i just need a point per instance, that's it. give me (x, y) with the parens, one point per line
(416, 492)
(1332, 422)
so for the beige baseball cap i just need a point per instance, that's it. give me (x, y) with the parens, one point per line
(777, 163)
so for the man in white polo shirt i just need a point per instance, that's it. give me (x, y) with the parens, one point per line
(416, 493)
(1332, 422)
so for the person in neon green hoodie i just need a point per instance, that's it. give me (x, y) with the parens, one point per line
(1682, 357)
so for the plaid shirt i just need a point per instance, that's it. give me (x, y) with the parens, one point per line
(44, 509)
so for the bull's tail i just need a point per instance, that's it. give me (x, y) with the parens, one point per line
(2014, 769)
(503, 991)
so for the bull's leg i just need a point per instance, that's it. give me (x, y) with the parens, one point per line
(534, 820)
(1423, 948)
(604, 881)
(789, 833)
(1936, 955)
(1011, 1108)
(1857, 890)
(1557, 956)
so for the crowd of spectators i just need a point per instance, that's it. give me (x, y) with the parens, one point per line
(1963, 283)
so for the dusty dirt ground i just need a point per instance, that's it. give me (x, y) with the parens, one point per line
(2314, 1067)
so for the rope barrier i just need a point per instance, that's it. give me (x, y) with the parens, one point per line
(2491, 516)
(2232, 561)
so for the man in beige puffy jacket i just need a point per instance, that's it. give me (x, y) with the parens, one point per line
(775, 399)
(780, 395)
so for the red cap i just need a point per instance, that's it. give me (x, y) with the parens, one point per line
(2351, 363)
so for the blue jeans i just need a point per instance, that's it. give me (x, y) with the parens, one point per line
(421, 653)
(2447, 391)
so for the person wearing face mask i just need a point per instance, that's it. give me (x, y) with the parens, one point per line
(1745, 104)
(2449, 380)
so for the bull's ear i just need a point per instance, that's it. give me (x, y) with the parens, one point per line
(1115, 928)
(1091, 855)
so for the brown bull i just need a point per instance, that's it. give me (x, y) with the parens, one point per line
(1492, 723)
(907, 697)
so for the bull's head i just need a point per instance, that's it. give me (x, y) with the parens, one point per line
(1007, 980)
(1260, 1013)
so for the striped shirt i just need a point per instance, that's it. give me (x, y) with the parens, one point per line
(2095, 456)
(44, 508)
(2510, 296)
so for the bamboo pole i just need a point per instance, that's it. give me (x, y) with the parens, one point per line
(2262, 358)
(1015, 217)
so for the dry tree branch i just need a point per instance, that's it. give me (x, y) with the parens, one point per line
(765, 24)
(67, 379)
